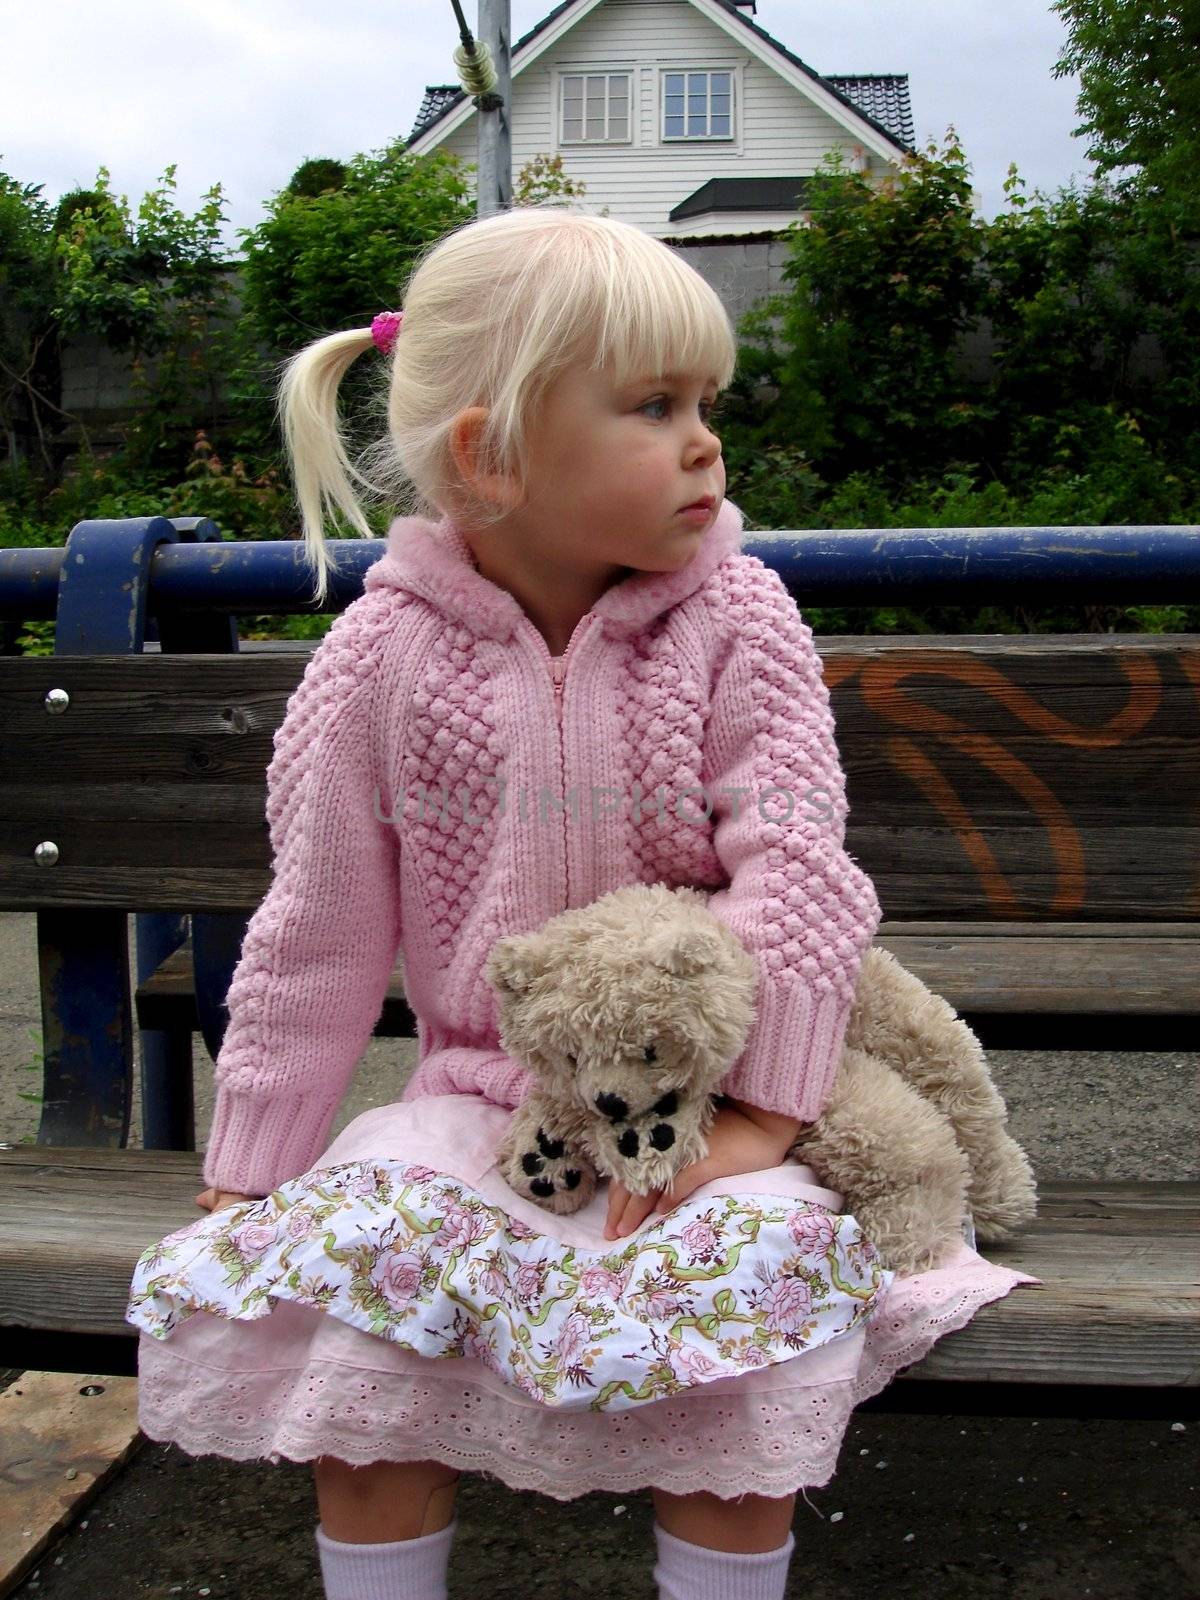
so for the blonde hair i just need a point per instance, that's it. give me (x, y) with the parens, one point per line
(494, 311)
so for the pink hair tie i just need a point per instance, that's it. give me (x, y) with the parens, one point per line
(384, 329)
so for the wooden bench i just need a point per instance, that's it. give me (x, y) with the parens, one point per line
(1027, 806)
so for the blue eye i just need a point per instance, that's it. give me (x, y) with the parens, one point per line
(707, 407)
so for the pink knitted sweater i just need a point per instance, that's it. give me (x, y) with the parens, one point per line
(439, 781)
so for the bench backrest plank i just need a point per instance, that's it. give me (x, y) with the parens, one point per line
(990, 777)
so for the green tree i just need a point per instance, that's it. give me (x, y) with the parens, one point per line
(329, 260)
(1077, 286)
(543, 178)
(28, 348)
(137, 280)
(867, 388)
(312, 178)
(861, 369)
(1137, 62)
(154, 285)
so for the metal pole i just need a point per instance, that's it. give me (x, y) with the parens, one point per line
(493, 180)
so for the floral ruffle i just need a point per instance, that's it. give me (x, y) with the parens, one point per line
(718, 1286)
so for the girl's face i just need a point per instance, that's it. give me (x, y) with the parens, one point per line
(611, 470)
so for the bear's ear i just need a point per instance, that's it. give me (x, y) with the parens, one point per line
(683, 952)
(512, 964)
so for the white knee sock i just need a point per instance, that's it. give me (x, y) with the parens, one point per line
(403, 1569)
(690, 1572)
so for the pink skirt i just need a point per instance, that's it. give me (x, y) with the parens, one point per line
(722, 1347)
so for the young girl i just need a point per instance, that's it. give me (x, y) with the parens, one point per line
(561, 649)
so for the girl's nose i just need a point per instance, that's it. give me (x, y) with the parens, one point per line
(704, 442)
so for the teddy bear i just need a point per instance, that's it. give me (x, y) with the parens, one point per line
(630, 1011)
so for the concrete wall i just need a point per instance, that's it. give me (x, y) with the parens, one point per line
(97, 388)
(742, 271)
(96, 380)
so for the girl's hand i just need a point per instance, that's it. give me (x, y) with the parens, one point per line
(736, 1143)
(218, 1199)
(627, 1211)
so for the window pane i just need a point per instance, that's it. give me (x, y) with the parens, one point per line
(595, 127)
(720, 105)
(618, 127)
(674, 127)
(697, 82)
(674, 105)
(674, 82)
(720, 82)
(696, 125)
(721, 125)
(595, 87)
(572, 128)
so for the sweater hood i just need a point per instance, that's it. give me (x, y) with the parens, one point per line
(433, 560)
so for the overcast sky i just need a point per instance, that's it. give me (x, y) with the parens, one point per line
(241, 91)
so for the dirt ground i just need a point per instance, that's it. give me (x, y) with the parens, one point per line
(930, 1507)
(926, 1508)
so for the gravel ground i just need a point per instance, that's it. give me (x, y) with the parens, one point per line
(1048, 1509)
(930, 1507)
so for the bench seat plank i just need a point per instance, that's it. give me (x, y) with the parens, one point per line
(1119, 1304)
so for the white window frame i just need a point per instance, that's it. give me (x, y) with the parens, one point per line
(686, 73)
(608, 74)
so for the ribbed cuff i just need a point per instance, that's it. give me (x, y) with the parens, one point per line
(258, 1142)
(465, 1069)
(792, 1053)
(508, 1084)
(397, 1567)
(686, 1571)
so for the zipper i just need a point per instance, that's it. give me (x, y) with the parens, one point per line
(558, 678)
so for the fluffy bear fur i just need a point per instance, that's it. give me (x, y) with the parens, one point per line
(631, 1011)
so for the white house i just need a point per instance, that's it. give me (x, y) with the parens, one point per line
(682, 116)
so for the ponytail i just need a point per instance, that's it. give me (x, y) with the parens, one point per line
(321, 469)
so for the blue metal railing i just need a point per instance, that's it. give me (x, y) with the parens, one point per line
(844, 566)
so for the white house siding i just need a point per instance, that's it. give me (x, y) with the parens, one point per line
(779, 132)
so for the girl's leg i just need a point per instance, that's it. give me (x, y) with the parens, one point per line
(751, 1524)
(714, 1549)
(384, 1501)
(386, 1529)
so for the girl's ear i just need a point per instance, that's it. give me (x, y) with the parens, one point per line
(496, 487)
